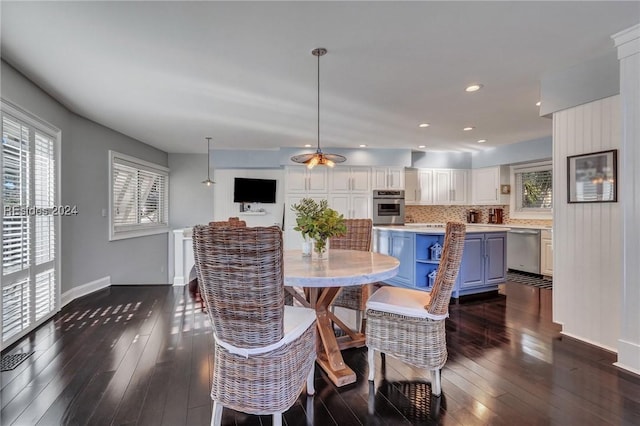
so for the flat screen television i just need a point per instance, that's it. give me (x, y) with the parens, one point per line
(246, 190)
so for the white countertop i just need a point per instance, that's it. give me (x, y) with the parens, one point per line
(431, 229)
(484, 225)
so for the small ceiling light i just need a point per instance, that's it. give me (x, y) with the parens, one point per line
(466, 129)
(422, 146)
(482, 141)
(538, 103)
(208, 181)
(307, 145)
(311, 160)
(473, 88)
(423, 125)
(362, 145)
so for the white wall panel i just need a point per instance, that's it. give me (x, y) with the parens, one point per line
(587, 237)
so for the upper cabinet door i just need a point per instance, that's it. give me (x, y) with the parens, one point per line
(411, 186)
(485, 185)
(296, 179)
(361, 179)
(380, 178)
(459, 185)
(340, 179)
(425, 184)
(441, 186)
(396, 177)
(317, 178)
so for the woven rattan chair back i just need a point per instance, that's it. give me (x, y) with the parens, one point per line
(358, 236)
(233, 222)
(448, 269)
(241, 281)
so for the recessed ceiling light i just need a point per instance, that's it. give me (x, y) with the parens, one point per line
(308, 145)
(538, 103)
(362, 145)
(422, 146)
(466, 129)
(473, 87)
(482, 141)
(424, 125)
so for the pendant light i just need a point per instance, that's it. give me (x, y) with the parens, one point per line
(318, 157)
(208, 181)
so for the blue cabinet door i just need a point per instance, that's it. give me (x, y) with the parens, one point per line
(471, 272)
(496, 268)
(402, 248)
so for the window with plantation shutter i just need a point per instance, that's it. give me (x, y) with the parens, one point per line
(30, 291)
(533, 189)
(139, 202)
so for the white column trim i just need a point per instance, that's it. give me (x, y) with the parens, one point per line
(628, 44)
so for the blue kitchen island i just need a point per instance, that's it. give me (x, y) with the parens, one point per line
(484, 260)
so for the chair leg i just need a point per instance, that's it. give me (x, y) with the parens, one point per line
(436, 387)
(311, 389)
(216, 416)
(359, 320)
(372, 363)
(277, 419)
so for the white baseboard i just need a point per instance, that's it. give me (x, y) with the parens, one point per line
(591, 342)
(84, 289)
(178, 280)
(628, 356)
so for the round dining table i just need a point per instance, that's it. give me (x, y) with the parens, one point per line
(322, 280)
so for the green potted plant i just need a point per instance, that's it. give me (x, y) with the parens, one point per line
(316, 221)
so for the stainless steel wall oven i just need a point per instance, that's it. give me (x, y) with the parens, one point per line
(388, 207)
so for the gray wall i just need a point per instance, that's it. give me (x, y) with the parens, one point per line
(596, 79)
(86, 252)
(537, 149)
(190, 202)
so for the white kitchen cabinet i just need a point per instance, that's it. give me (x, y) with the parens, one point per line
(546, 252)
(388, 178)
(436, 186)
(459, 187)
(425, 190)
(299, 179)
(350, 179)
(411, 186)
(485, 185)
(351, 205)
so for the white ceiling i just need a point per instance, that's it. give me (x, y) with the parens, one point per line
(171, 73)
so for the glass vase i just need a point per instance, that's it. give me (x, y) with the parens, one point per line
(321, 248)
(307, 246)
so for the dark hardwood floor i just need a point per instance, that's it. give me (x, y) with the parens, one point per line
(142, 356)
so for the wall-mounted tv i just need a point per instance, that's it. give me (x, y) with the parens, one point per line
(246, 190)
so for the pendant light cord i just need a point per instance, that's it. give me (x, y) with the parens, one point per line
(319, 103)
(208, 158)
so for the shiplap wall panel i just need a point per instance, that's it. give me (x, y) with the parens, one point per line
(586, 237)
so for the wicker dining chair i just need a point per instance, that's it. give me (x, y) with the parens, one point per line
(264, 351)
(410, 324)
(357, 237)
(233, 222)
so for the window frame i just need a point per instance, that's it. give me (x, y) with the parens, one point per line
(142, 229)
(515, 210)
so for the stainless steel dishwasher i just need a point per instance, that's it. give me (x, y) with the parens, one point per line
(523, 250)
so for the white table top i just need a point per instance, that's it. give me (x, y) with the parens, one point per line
(342, 268)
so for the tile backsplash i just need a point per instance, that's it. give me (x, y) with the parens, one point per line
(441, 214)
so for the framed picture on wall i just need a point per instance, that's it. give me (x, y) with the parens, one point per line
(592, 178)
